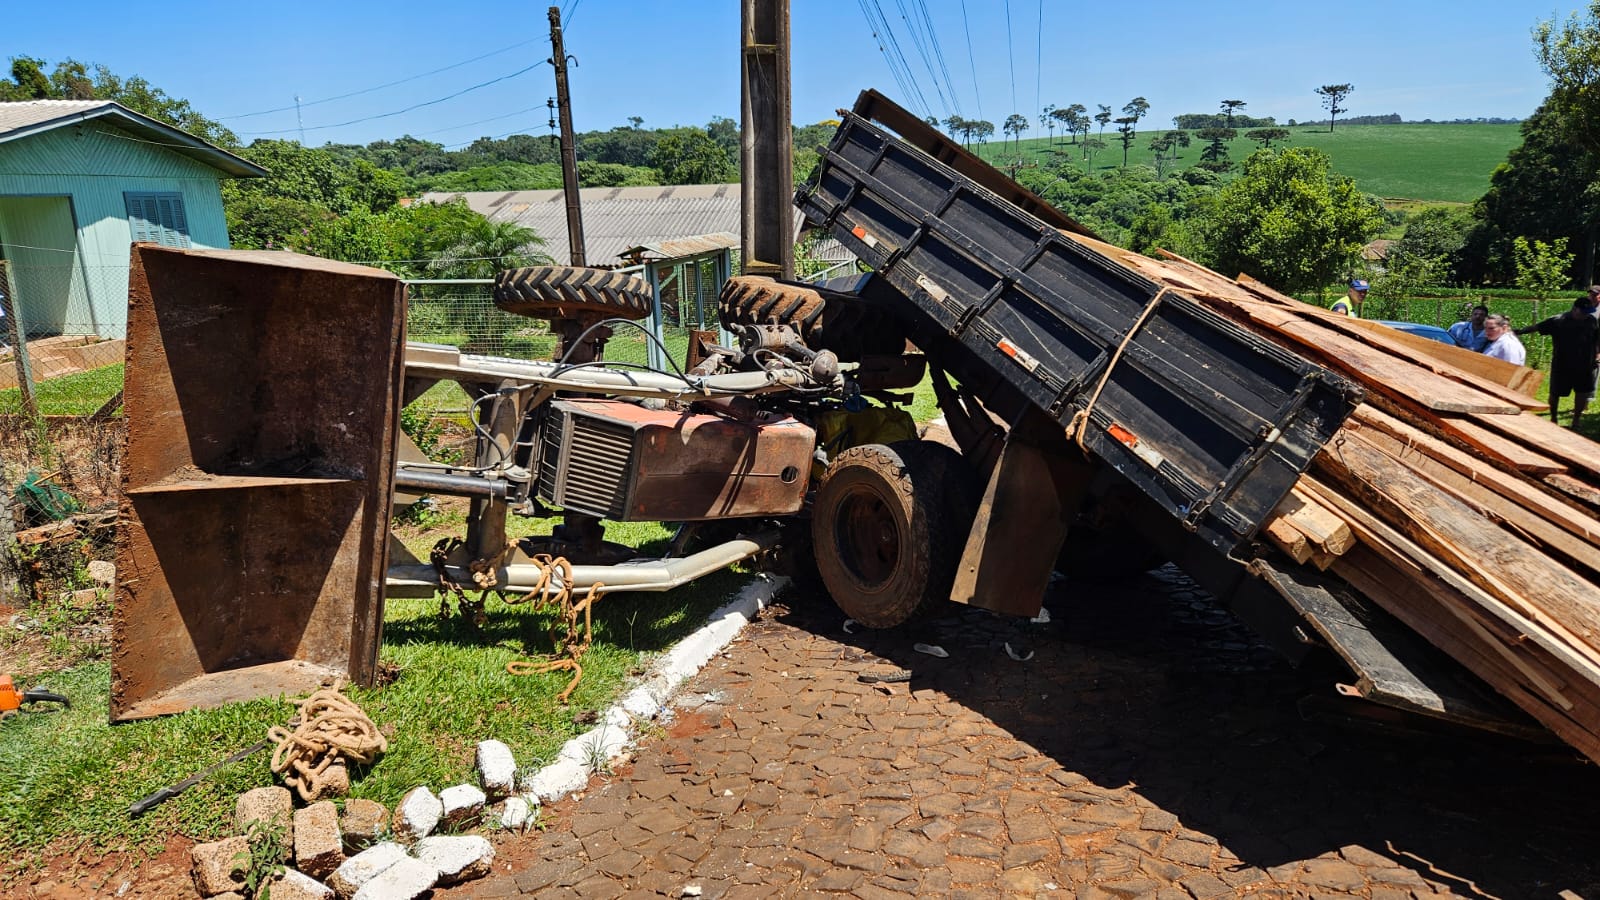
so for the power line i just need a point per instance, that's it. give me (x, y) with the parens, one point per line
(381, 86)
(414, 106)
(971, 60)
(1038, 58)
(894, 45)
(1011, 57)
(479, 122)
(879, 28)
(938, 53)
(922, 51)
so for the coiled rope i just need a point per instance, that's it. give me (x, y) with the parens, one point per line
(332, 729)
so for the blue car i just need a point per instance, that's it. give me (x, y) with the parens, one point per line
(1431, 332)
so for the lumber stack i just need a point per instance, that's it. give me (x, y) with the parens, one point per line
(1443, 499)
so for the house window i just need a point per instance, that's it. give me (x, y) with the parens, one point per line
(158, 218)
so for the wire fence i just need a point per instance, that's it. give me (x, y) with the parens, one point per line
(465, 317)
(1446, 311)
(60, 353)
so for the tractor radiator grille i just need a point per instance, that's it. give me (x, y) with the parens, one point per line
(584, 465)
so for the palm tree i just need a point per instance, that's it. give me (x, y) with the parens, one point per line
(486, 247)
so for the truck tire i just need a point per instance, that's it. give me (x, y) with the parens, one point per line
(561, 292)
(888, 526)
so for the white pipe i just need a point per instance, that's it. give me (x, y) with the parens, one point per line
(641, 575)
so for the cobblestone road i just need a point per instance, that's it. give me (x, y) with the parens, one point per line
(1149, 749)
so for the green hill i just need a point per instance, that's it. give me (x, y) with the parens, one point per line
(1416, 162)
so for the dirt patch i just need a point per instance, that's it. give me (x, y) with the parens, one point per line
(78, 876)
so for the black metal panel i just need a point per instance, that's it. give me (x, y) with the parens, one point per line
(1207, 419)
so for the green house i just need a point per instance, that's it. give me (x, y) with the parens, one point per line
(80, 181)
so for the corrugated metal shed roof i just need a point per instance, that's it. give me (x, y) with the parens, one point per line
(30, 117)
(688, 246)
(615, 219)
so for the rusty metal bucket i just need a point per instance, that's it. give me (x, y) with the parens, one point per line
(262, 395)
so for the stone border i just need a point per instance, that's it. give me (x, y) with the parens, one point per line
(607, 741)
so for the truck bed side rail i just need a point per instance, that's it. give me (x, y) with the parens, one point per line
(1209, 420)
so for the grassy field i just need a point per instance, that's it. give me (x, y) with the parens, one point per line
(1417, 162)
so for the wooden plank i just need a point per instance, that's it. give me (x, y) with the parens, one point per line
(1577, 550)
(1404, 595)
(1566, 445)
(1471, 470)
(1319, 524)
(1428, 571)
(1493, 376)
(1509, 453)
(1508, 569)
(1575, 489)
(1288, 539)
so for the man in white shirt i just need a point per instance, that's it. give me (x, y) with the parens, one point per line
(1502, 343)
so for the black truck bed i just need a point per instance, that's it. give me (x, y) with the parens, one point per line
(1205, 418)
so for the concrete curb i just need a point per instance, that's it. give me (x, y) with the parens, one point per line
(608, 740)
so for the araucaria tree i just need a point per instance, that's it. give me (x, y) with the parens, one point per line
(1136, 109)
(1289, 220)
(1229, 107)
(1125, 134)
(1215, 155)
(1332, 95)
(1266, 136)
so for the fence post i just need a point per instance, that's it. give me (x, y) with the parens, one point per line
(19, 346)
(8, 540)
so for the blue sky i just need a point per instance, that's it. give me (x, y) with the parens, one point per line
(677, 62)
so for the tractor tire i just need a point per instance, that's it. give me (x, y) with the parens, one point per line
(888, 526)
(757, 300)
(562, 292)
(824, 319)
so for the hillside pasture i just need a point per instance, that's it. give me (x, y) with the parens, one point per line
(1415, 162)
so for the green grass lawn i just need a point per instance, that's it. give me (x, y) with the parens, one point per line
(1418, 162)
(69, 395)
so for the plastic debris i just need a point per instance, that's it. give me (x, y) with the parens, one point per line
(1014, 655)
(849, 626)
(931, 650)
(1043, 618)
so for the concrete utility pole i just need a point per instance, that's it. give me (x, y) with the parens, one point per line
(569, 150)
(766, 157)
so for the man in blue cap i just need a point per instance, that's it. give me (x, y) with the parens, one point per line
(1350, 304)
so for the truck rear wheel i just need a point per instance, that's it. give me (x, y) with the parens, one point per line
(888, 526)
(562, 292)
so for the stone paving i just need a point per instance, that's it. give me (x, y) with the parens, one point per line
(1150, 748)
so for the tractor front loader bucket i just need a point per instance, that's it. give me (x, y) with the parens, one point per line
(262, 395)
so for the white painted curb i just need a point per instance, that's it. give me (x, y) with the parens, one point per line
(612, 737)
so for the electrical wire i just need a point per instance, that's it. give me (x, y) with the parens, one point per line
(381, 86)
(665, 354)
(971, 59)
(414, 106)
(1038, 58)
(1011, 57)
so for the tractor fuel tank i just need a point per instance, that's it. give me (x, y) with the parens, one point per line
(621, 461)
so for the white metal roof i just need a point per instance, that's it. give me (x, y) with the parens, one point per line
(615, 219)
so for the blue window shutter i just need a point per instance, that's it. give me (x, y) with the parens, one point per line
(158, 218)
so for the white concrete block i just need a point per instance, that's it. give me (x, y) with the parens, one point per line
(497, 768)
(407, 879)
(363, 867)
(417, 814)
(457, 857)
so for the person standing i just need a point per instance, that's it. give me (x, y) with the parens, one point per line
(1350, 303)
(1574, 356)
(1503, 344)
(1468, 332)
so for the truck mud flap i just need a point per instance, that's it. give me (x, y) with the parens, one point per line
(1209, 420)
(262, 398)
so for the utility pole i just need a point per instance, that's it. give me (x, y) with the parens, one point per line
(569, 151)
(766, 152)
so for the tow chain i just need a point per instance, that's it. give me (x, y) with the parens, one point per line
(569, 647)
